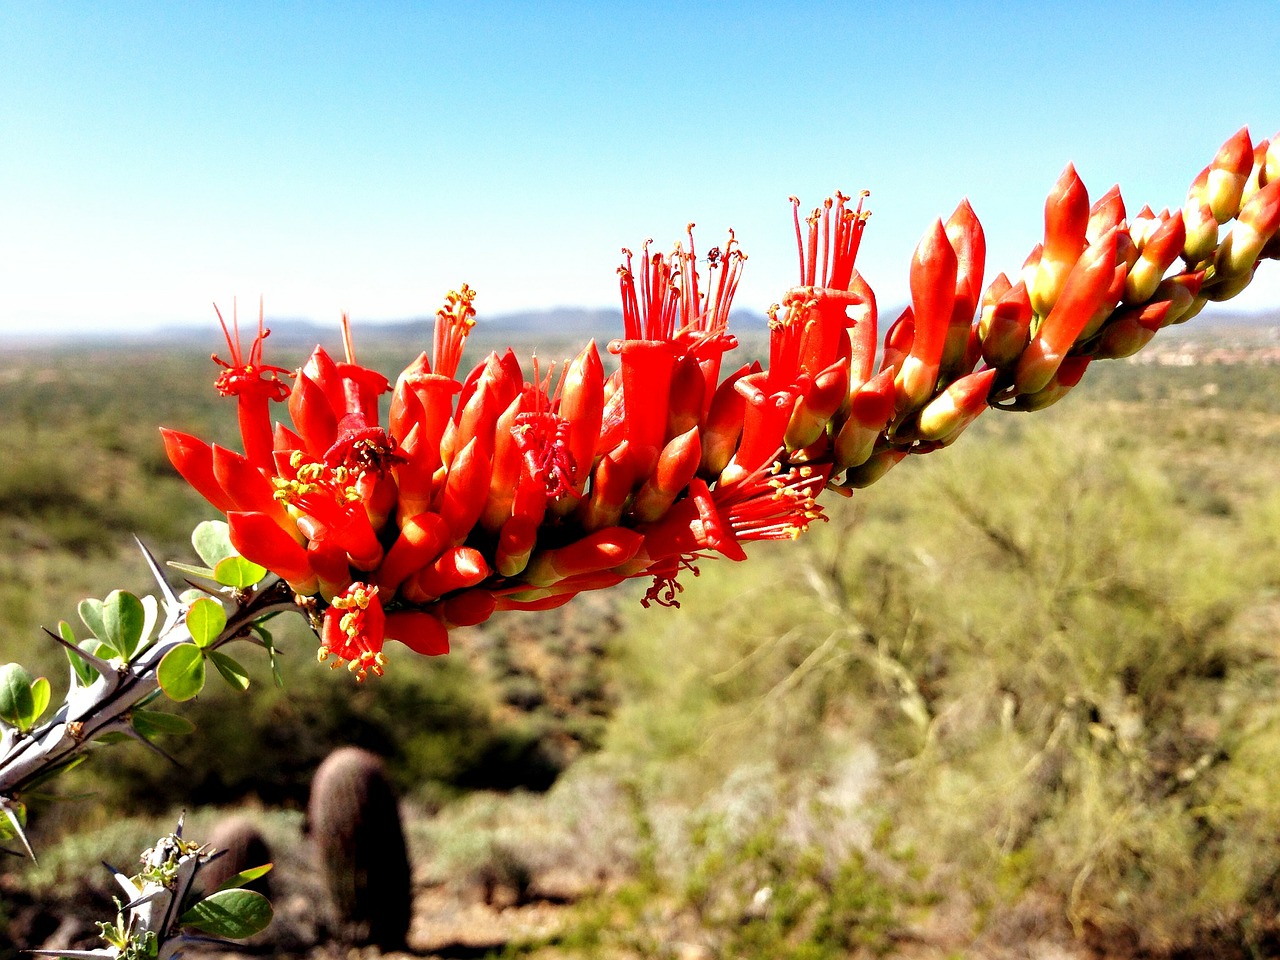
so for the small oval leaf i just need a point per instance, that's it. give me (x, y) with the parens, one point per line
(149, 723)
(193, 569)
(245, 876)
(13, 816)
(238, 572)
(84, 674)
(181, 672)
(234, 914)
(40, 693)
(205, 621)
(212, 540)
(90, 611)
(16, 702)
(151, 610)
(124, 617)
(231, 670)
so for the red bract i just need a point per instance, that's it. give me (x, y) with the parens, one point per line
(507, 490)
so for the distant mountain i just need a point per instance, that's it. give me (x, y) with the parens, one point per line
(557, 325)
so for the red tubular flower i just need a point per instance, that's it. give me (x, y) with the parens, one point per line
(897, 342)
(1107, 212)
(406, 407)
(582, 407)
(828, 289)
(312, 415)
(862, 339)
(647, 369)
(504, 478)
(466, 609)
(421, 540)
(947, 414)
(1258, 222)
(722, 426)
(677, 465)
(1085, 290)
(354, 630)
(870, 410)
(466, 487)
(454, 322)
(814, 410)
(1006, 329)
(933, 295)
(704, 315)
(193, 459)
(330, 509)
(457, 568)
(1157, 253)
(1066, 220)
(1064, 378)
(476, 417)
(964, 231)
(423, 633)
(594, 553)
(254, 385)
(1183, 293)
(772, 503)
(688, 394)
(1132, 329)
(250, 489)
(873, 468)
(765, 419)
(1201, 225)
(330, 563)
(612, 483)
(558, 593)
(1228, 174)
(258, 538)
(515, 545)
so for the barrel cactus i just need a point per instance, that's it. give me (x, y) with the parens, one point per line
(354, 824)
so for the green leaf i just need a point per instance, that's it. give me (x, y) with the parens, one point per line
(17, 705)
(238, 572)
(150, 723)
(151, 611)
(123, 616)
(28, 788)
(84, 672)
(212, 540)
(272, 654)
(17, 811)
(234, 914)
(90, 611)
(191, 568)
(40, 694)
(245, 876)
(205, 621)
(181, 672)
(231, 670)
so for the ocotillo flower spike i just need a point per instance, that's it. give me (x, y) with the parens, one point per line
(486, 492)
(934, 268)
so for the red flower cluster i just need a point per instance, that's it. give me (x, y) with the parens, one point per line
(497, 492)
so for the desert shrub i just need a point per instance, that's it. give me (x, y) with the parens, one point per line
(1061, 653)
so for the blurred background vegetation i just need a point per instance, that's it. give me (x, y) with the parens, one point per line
(1022, 691)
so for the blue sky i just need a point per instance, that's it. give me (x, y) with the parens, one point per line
(157, 157)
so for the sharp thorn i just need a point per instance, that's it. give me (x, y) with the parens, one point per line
(102, 666)
(16, 824)
(130, 731)
(170, 598)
